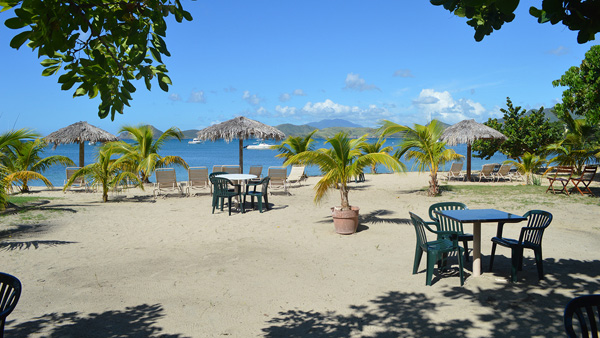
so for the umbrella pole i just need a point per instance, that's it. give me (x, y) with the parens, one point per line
(469, 162)
(81, 153)
(241, 142)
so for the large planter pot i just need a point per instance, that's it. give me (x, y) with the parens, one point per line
(345, 221)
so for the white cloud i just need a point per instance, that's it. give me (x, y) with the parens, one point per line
(252, 99)
(442, 106)
(298, 92)
(355, 82)
(284, 97)
(403, 73)
(367, 116)
(175, 97)
(560, 50)
(229, 89)
(197, 96)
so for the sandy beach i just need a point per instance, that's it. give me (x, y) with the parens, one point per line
(139, 267)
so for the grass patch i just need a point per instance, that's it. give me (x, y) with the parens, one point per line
(22, 200)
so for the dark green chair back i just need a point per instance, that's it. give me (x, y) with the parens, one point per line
(261, 194)
(537, 222)
(10, 292)
(587, 310)
(221, 192)
(444, 223)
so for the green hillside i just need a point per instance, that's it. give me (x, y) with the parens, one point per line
(295, 130)
(190, 133)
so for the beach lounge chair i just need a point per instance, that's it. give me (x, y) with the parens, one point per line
(435, 249)
(10, 292)
(256, 170)
(165, 179)
(530, 238)
(586, 178)
(197, 179)
(587, 311)
(217, 168)
(296, 175)
(78, 183)
(278, 179)
(563, 176)
(232, 169)
(516, 175)
(454, 172)
(487, 172)
(447, 224)
(504, 172)
(260, 195)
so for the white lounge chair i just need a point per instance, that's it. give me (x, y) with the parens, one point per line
(454, 172)
(165, 179)
(278, 179)
(78, 183)
(231, 169)
(487, 172)
(197, 179)
(296, 176)
(504, 172)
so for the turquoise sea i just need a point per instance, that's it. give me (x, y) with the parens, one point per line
(219, 153)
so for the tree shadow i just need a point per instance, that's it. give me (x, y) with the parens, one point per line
(525, 309)
(10, 246)
(137, 321)
(377, 217)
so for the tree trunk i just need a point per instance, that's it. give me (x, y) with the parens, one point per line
(104, 194)
(434, 189)
(344, 195)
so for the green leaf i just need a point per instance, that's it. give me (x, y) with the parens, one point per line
(14, 23)
(49, 62)
(507, 6)
(50, 70)
(80, 92)
(19, 39)
(94, 92)
(130, 87)
(187, 16)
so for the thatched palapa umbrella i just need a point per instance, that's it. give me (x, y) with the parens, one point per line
(80, 132)
(467, 131)
(240, 128)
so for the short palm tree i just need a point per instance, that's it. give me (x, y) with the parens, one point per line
(294, 145)
(143, 153)
(7, 141)
(377, 147)
(580, 145)
(109, 171)
(530, 164)
(341, 162)
(422, 144)
(23, 162)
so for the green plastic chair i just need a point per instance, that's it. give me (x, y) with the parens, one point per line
(587, 310)
(447, 224)
(222, 192)
(10, 292)
(530, 238)
(260, 195)
(434, 249)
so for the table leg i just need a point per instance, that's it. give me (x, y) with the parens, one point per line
(476, 249)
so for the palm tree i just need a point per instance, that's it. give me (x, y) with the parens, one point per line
(7, 140)
(580, 145)
(341, 162)
(530, 164)
(422, 144)
(294, 145)
(107, 172)
(377, 147)
(23, 163)
(143, 153)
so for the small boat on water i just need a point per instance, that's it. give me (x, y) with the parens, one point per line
(195, 141)
(259, 146)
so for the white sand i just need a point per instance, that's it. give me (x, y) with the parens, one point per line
(136, 267)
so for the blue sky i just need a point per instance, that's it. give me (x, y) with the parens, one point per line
(302, 61)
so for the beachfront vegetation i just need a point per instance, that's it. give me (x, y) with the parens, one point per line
(581, 98)
(7, 140)
(526, 133)
(341, 162)
(109, 171)
(422, 144)
(143, 155)
(528, 165)
(294, 145)
(23, 162)
(102, 46)
(377, 147)
(487, 16)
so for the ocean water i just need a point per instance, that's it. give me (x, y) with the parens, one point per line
(221, 153)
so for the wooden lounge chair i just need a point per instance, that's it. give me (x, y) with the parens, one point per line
(278, 179)
(454, 172)
(587, 176)
(296, 175)
(78, 183)
(504, 172)
(165, 179)
(487, 172)
(563, 176)
(197, 179)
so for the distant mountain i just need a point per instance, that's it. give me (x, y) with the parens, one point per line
(190, 133)
(329, 123)
(352, 132)
(126, 136)
(295, 130)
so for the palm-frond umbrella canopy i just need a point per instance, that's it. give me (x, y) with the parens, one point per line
(240, 128)
(80, 132)
(467, 131)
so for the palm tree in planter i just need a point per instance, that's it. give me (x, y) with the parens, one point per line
(338, 164)
(109, 171)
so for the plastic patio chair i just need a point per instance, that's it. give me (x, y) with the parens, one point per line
(435, 249)
(222, 192)
(587, 310)
(586, 178)
(10, 292)
(530, 238)
(447, 224)
(260, 195)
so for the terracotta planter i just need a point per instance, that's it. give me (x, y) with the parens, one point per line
(346, 221)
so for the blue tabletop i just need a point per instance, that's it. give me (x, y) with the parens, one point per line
(481, 215)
